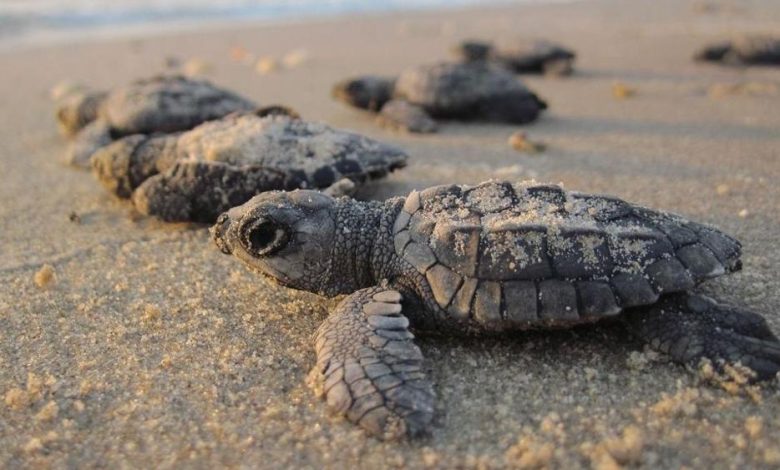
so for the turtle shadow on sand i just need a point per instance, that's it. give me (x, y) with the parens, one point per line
(591, 125)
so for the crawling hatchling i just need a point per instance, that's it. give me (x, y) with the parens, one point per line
(198, 174)
(743, 50)
(473, 91)
(495, 257)
(160, 104)
(520, 55)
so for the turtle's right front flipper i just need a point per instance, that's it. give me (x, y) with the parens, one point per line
(371, 368)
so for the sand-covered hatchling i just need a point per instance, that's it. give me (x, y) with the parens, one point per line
(475, 91)
(159, 104)
(198, 174)
(520, 55)
(743, 50)
(494, 257)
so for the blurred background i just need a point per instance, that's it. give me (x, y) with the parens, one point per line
(25, 21)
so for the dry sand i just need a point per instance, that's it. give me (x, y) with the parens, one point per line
(125, 342)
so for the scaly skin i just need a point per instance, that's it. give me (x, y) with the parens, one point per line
(371, 369)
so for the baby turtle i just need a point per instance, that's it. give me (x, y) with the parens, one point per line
(744, 50)
(468, 91)
(157, 104)
(198, 174)
(520, 55)
(499, 256)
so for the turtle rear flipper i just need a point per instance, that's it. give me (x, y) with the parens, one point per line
(692, 327)
(371, 368)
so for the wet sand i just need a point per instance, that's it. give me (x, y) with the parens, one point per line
(144, 346)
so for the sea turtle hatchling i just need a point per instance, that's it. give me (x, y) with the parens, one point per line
(462, 91)
(494, 257)
(520, 55)
(743, 50)
(198, 174)
(146, 106)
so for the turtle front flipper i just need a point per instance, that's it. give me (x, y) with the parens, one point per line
(342, 187)
(125, 164)
(90, 139)
(692, 327)
(402, 115)
(200, 191)
(371, 368)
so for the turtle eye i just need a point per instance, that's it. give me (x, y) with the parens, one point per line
(264, 237)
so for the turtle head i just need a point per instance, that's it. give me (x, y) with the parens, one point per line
(288, 236)
(713, 53)
(366, 92)
(472, 51)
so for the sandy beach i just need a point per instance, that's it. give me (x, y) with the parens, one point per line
(143, 346)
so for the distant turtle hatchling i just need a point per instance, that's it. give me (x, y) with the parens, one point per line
(743, 50)
(494, 257)
(470, 91)
(160, 104)
(520, 55)
(198, 174)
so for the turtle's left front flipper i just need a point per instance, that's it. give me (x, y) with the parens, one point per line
(371, 368)
(692, 327)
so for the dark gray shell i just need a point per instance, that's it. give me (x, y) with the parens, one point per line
(466, 90)
(521, 55)
(309, 155)
(318, 154)
(168, 104)
(525, 254)
(744, 50)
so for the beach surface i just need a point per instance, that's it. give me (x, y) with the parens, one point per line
(129, 343)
